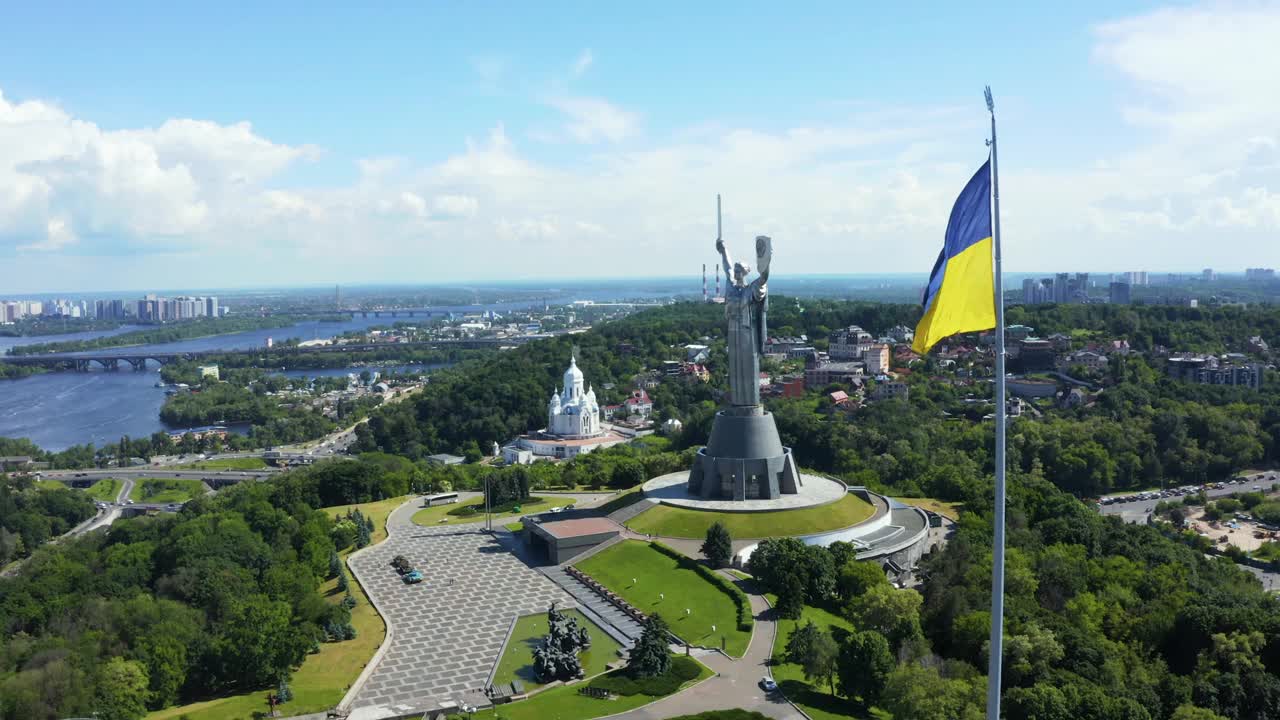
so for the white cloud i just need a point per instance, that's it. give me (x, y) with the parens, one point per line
(592, 120)
(583, 62)
(57, 236)
(455, 206)
(867, 190)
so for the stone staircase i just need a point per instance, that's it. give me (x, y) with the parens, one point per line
(627, 513)
(621, 626)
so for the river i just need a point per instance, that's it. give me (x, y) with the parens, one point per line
(58, 410)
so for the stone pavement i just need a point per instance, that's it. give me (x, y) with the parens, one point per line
(447, 632)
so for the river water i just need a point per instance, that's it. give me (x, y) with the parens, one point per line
(58, 410)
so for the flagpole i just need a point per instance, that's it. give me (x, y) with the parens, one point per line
(997, 564)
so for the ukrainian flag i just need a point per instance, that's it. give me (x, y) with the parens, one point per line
(961, 293)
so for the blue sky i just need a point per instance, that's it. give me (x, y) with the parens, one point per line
(318, 143)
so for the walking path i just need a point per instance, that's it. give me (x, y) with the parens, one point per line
(736, 684)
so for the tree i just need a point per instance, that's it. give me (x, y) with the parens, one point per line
(1038, 702)
(863, 665)
(718, 546)
(790, 598)
(342, 581)
(1191, 712)
(651, 656)
(335, 564)
(855, 578)
(777, 563)
(920, 693)
(122, 690)
(891, 612)
(813, 649)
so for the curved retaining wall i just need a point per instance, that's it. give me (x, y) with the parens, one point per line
(910, 548)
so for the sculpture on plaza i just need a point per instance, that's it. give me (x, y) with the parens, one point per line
(744, 459)
(557, 657)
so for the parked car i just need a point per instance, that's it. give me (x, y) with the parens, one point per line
(412, 577)
(401, 564)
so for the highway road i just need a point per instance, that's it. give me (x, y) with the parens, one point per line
(1138, 510)
(156, 472)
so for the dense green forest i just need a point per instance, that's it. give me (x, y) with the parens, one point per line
(183, 330)
(1142, 430)
(277, 408)
(9, 371)
(217, 599)
(497, 398)
(1209, 329)
(1103, 620)
(304, 360)
(31, 516)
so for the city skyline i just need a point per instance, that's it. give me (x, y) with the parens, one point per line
(254, 154)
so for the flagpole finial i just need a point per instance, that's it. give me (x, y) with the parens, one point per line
(991, 103)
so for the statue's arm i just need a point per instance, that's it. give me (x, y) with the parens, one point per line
(725, 261)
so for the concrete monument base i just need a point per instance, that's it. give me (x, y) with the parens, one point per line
(744, 460)
(673, 489)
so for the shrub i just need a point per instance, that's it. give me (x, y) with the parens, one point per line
(740, 600)
(682, 670)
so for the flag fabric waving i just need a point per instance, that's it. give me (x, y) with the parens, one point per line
(961, 292)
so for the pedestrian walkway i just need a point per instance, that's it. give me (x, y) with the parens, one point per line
(736, 684)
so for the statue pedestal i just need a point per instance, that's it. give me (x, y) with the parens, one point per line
(744, 460)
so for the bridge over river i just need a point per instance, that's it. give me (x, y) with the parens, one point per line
(111, 359)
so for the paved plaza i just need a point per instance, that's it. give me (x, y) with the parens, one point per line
(449, 629)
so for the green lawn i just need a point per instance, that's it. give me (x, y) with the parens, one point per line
(739, 574)
(668, 521)
(655, 573)
(816, 701)
(564, 703)
(324, 677)
(245, 463)
(165, 490)
(949, 510)
(51, 485)
(517, 657)
(432, 516)
(515, 527)
(105, 490)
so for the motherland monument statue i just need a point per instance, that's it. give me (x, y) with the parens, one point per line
(744, 459)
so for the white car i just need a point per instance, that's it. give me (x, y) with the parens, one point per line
(767, 684)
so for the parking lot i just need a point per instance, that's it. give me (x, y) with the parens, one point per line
(1137, 507)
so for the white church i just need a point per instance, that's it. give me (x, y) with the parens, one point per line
(573, 425)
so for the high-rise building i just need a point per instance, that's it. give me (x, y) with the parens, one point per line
(1136, 277)
(211, 306)
(1208, 275)
(1259, 274)
(1119, 293)
(1061, 288)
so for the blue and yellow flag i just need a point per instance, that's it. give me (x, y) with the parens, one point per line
(961, 293)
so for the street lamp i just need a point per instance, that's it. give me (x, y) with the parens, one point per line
(488, 519)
